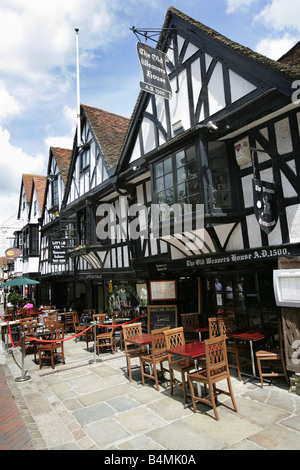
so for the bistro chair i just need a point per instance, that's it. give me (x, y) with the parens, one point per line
(271, 355)
(213, 327)
(77, 326)
(131, 351)
(190, 321)
(226, 324)
(107, 339)
(68, 321)
(54, 349)
(216, 370)
(175, 337)
(89, 336)
(157, 356)
(28, 328)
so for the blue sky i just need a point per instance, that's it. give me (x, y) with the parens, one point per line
(38, 67)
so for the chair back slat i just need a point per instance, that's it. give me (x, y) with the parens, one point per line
(159, 341)
(225, 324)
(213, 327)
(190, 320)
(216, 355)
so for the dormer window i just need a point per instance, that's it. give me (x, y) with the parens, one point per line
(54, 192)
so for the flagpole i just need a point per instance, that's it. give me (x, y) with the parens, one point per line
(78, 92)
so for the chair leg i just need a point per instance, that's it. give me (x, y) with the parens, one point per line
(231, 394)
(184, 386)
(129, 368)
(155, 376)
(172, 379)
(192, 393)
(260, 371)
(212, 399)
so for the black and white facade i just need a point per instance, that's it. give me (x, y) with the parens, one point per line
(227, 144)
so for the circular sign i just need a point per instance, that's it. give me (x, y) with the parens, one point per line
(13, 252)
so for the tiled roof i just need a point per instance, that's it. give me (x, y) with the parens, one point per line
(63, 160)
(288, 70)
(40, 186)
(109, 129)
(292, 57)
(27, 182)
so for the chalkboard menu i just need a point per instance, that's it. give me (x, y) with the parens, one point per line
(160, 316)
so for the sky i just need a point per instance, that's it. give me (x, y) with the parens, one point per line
(38, 79)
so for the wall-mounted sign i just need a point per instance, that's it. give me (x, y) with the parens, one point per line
(287, 287)
(59, 251)
(153, 63)
(13, 252)
(163, 290)
(265, 205)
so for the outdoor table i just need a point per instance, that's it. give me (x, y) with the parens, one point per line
(197, 329)
(252, 335)
(193, 351)
(141, 340)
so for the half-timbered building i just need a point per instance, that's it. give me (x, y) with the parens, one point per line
(55, 269)
(227, 140)
(200, 186)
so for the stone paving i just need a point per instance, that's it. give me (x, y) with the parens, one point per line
(93, 406)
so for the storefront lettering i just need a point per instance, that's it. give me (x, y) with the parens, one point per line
(237, 257)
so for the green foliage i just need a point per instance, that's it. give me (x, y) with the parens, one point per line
(14, 298)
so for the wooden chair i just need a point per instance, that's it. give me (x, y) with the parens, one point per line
(54, 349)
(213, 327)
(69, 323)
(190, 321)
(29, 327)
(132, 351)
(216, 370)
(272, 355)
(226, 324)
(175, 337)
(76, 325)
(107, 339)
(158, 355)
(89, 336)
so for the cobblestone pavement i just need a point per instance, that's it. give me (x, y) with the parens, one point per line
(93, 406)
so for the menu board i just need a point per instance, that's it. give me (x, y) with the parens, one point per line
(163, 290)
(160, 316)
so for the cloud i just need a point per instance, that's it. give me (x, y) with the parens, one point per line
(9, 104)
(280, 15)
(14, 161)
(233, 5)
(275, 48)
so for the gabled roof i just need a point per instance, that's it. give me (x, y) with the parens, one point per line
(288, 70)
(63, 160)
(284, 73)
(109, 130)
(27, 181)
(39, 183)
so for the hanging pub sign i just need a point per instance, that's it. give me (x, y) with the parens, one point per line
(265, 205)
(153, 63)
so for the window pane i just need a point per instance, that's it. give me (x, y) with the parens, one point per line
(160, 184)
(181, 175)
(180, 159)
(169, 180)
(168, 165)
(159, 170)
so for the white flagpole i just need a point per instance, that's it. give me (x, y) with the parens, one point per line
(78, 92)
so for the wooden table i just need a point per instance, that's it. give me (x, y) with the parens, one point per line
(252, 335)
(193, 351)
(141, 340)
